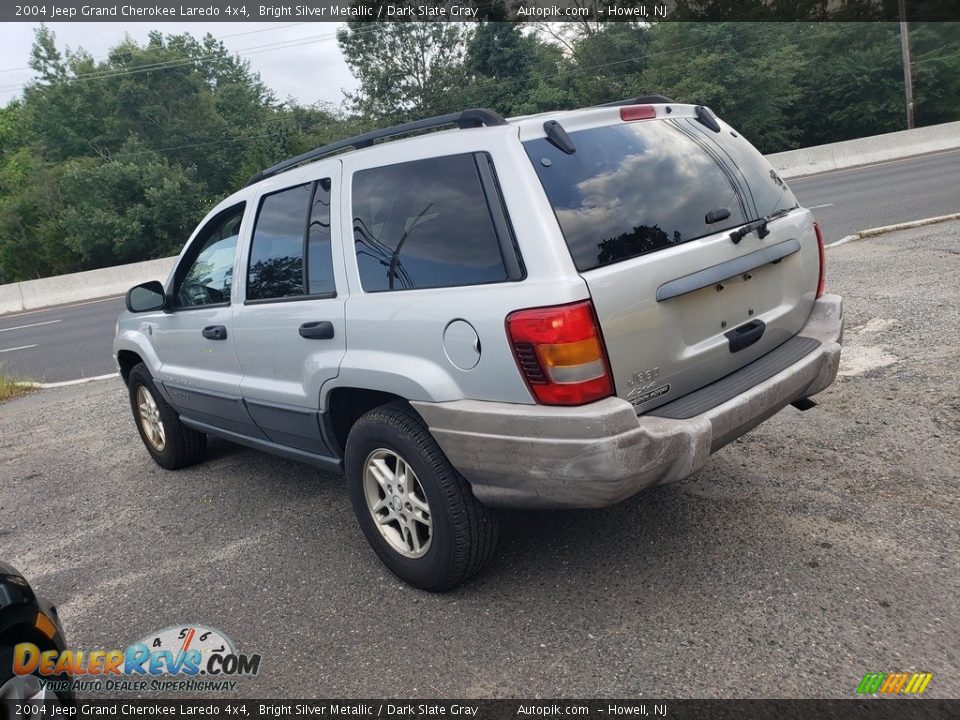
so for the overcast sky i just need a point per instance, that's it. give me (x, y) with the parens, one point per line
(299, 60)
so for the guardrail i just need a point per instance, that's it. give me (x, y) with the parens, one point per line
(76, 287)
(864, 151)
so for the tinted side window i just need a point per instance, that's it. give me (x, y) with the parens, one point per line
(276, 255)
(424, 224)
(319, 260)
(206, 281)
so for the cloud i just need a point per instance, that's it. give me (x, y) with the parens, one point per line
(665, 182)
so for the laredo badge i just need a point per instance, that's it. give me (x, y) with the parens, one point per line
(649, 395)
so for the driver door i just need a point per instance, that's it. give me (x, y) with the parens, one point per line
(194, 340)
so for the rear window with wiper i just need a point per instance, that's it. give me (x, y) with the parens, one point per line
(635, 188)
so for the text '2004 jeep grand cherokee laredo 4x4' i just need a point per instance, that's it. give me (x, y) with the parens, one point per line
(554, 311)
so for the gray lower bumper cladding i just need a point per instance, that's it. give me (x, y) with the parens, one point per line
(551, 457)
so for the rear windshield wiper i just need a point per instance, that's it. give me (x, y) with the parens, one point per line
(759, 225)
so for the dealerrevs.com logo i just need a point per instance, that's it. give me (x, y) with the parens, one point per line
(894, 683)
(189, 658)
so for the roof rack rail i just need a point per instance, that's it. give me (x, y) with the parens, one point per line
(642, 100)
(466, 119)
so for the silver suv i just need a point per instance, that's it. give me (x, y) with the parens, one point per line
(554, 311)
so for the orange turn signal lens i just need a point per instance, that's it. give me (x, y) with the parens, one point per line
(45, 626)
(574, 353)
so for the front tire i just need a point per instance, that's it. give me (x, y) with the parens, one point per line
(417, 512)
(170, 443)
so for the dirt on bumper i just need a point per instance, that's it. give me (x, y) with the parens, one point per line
(546, 457)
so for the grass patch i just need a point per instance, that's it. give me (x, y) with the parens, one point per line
(11, 387)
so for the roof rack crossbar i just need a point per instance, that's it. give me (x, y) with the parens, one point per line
(642, 100)
(466, 119)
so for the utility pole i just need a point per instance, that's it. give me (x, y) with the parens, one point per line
(907, 70)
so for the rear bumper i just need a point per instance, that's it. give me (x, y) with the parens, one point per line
(599, 454)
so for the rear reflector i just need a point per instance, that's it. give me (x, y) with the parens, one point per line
(560, 353)
(637, 112)
(821, 281)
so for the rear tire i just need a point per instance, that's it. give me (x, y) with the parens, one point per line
(417, 512)
(170, 443)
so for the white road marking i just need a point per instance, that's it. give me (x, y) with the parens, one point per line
(79, 381)
(814, 207)
(890, 228)
(65, 383)
(21, 327)
(843, 241)
(22, 347)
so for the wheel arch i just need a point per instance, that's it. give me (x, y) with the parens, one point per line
(127, 360)
(131, 346)
(345, 405)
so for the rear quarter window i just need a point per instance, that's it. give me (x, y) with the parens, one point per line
(424, 224)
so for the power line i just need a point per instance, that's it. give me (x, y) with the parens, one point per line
(570, 71)
(179, 62)
(475, 88)
(577, 70)
(218, 37)
(941, 57)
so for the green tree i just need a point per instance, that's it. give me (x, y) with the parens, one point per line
(746, 72)
(852, 82)
(510, 71)
(936, 71)
(406, 69)
(112, 161)
(123, 211)
(174, 94)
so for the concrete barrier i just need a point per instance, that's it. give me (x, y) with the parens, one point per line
(76, 287)
(863, 151)
(93, 284)
(11, 299)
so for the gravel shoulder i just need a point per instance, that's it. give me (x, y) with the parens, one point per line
(819, 547)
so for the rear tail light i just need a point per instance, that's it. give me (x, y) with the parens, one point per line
(821, 281)
(637, 112)
(560, 353)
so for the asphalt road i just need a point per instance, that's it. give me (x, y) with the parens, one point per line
(817, 548)
(60, 343)
(845, 201)
(77, 341)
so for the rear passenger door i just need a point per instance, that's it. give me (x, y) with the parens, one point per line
(289, 329)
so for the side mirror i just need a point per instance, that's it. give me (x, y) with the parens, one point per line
(146, 297)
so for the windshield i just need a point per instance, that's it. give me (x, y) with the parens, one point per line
(635, 188)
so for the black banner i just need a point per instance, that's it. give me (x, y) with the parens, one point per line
(128, 11)
(866, 709)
